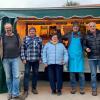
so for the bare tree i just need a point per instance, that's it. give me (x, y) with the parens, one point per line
(71, 3)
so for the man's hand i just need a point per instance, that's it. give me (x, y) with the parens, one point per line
(24, 61)
(62, 63)
(40, 61)
(45, 65)
(88, 49)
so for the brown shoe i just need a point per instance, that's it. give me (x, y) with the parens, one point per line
(94, 93)
(73, 91)
(9, 97)
(18, 98)
(24, 95)
(35, 91)
(82, 91)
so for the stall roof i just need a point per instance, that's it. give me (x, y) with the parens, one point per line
(66, 12)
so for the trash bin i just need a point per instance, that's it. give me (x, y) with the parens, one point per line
(3, 87)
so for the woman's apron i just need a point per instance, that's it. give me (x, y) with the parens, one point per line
(76, 59)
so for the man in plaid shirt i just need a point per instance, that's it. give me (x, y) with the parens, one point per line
(30, 56)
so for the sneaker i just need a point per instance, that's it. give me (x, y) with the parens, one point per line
(59, 92)
(9, 97)
(25, 94)
(82, 91)
(18, 98)
(54, 92)
(35, 91)
(73, 91)
(94, 93)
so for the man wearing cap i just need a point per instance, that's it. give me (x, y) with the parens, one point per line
(30, 56)
(76, 59)
(92, 47)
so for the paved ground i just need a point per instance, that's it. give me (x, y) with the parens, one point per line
(44, 93)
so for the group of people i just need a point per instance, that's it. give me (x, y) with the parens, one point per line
(53, 55)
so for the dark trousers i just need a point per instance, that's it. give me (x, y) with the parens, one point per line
(55, 72)
(35, 67)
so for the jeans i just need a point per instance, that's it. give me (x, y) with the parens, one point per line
(55, 76)
(93, 67)
(81, 80)
(11, 67)
(35, 67)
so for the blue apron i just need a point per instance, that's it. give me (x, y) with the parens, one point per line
(76, 59)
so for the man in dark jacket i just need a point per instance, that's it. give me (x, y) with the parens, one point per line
(92, 47)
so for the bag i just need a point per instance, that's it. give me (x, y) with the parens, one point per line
(3, 86)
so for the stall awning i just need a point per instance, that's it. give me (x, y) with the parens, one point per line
(52, 12)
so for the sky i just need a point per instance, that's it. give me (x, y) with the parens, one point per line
(40, 3)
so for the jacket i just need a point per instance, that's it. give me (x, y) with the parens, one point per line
(93, 42)
(54, 54)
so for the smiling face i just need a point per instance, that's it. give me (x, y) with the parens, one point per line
(32, 32)
(54, 38)
(75, 28)
(8, 28)
(92, 27)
